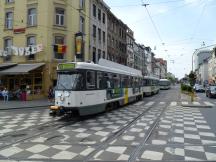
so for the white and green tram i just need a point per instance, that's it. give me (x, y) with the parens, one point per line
(165, 84)
(88, 88)
(150, 85)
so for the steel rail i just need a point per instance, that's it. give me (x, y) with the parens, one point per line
(115, 135)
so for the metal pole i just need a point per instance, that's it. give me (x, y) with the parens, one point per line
(193, 57)
(192, 61)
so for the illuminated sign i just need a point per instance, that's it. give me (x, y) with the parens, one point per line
(68, 66)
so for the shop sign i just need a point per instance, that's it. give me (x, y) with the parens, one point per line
(23, 51)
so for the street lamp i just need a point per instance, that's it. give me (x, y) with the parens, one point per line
(192, 57)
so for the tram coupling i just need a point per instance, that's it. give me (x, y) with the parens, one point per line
(56, 111)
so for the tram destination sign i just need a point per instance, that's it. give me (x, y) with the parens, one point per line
(66, 66)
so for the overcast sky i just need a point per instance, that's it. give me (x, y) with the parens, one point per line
(175, 27)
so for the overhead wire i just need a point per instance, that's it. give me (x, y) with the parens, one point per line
(168, 10)
(154, 25)
(137, 5)
(198, 21)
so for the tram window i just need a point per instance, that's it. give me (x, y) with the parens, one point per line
(136, 82)
(108, 80)
(100, 80)
(144, 82)
(139, 82)
(79, 82)
(125, 81)
(147, 82)
(90, 80)
(116, 81)
(72, 81)
(130, 81)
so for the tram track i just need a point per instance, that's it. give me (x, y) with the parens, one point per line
(38, 130)
(117, 134)
(9, 139)
(53, 125)
(34, 132)
(136, 152)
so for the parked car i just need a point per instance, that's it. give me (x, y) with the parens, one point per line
(199, 88)
(211, 91)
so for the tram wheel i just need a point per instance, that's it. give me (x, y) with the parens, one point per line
(115, 105)
(109, 107)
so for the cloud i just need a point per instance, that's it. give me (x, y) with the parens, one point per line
(192, 1)
(162, 10)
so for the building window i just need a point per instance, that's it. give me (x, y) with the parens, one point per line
(82, 4)
(94, 10)
(113, 42)
(99, 14)
(9, 1)
(99, 54)
(94, 31)
(104, 37)
(7, 47)
(82, 24)
(99, 34)
(9, 20)
(59, 41)
(60, 16)
(32, 17)
(31, 40)
(94, 55)
(104, 55)
(104, 18)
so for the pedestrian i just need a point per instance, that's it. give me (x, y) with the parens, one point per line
(50, 94)
(5, 94)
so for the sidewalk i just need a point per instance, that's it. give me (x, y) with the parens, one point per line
(186, 102)
(24, 104)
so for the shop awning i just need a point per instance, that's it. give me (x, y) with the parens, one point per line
(21, 69)
(7, 65)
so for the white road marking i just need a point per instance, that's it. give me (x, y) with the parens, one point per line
(209, 103)
(196, 103)
(150, 103)
(139, 103)
(152, 155)
(185, 103)
(173, 104)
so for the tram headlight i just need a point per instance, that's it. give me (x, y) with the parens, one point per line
(66, 94)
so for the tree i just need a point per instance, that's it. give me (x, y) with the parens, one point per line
(192, 78)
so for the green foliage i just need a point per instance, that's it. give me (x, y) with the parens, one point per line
(192, 78)
(186, 88)
(171, 79)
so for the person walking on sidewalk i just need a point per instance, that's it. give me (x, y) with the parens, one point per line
(5, 94)
(50, 94)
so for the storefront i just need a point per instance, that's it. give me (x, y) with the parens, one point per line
(28, 78)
